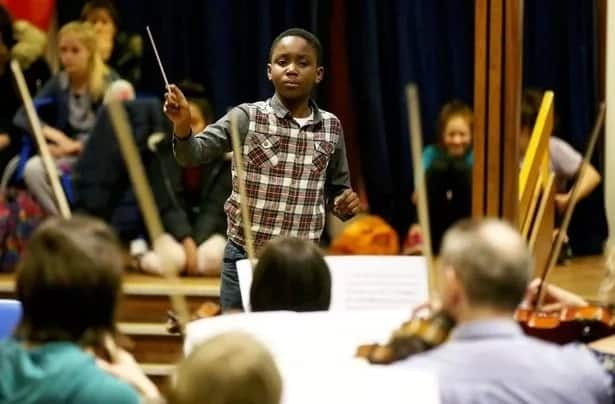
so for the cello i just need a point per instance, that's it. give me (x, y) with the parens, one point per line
(583, 324)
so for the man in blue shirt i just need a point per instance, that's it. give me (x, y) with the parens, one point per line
(486, 267)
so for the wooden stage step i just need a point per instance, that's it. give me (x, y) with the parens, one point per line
(152, 343)
(145, 297)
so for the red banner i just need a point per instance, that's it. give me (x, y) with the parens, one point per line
(38, 12)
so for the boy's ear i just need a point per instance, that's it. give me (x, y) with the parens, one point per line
(320, 72)
(269, 71)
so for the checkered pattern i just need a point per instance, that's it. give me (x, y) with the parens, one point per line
(286, 168)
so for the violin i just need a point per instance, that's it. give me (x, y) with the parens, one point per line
(414, 336)
(582, 324)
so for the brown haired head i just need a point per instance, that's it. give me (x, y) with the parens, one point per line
(69, 281)
(291, 274)
(231, 368)
(460, 144)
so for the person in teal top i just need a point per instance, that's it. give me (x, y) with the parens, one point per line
(448, 165)
(68, 282)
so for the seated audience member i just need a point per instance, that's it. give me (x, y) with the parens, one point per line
(231, 368)
(201, 193)
(291, 274)
(565, 163)
(69, 283)
(448, 174)
(104, 190)
(72, 97)
(485, 270)
(564, 159)
(23, 42)
(121, 51)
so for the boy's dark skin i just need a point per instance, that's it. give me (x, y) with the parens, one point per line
(294, 71)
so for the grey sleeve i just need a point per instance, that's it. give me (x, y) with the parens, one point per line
(338, 178)
(565, 160)
(213, 142)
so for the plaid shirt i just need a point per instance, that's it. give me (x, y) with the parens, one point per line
(291, 171)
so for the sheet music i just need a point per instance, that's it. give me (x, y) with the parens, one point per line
(315, 354)
(365, 282)
(377, 283)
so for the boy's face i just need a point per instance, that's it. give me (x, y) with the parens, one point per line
(293, 68)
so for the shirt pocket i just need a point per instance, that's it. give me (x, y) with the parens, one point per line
(323, 150)
(262, 150)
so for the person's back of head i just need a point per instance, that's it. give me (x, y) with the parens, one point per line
(291, 274)
(69, 281)
(491, 262)
(231, 368)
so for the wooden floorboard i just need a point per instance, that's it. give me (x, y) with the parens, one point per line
(580, 275)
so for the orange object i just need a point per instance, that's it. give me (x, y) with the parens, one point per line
(366, 235)
(38, 12)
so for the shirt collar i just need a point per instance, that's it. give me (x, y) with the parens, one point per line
(494, 328)
(282, 112)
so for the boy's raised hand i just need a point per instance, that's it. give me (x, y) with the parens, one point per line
(176, 108)
(346, 204)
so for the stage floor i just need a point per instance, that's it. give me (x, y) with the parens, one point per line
(580, 275)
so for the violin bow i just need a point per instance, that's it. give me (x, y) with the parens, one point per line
(37, 132)
(574, 196)
(243, 194)
(416, 150)
(145, 198)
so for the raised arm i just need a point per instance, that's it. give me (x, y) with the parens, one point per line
(204, 147)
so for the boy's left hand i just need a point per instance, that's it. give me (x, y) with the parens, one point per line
(346, 204)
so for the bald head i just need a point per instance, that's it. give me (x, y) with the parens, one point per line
(492, 261)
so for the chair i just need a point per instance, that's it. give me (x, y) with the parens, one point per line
(10, 314)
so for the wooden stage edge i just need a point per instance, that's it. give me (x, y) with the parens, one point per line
(150, 285)
(580, 275)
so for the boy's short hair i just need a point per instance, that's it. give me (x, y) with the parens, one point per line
(300, 32)
(291, 274)
(106, 5)
(229, 368)
(69, 281)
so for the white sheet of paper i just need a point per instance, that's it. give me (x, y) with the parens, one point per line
(315, 354)
(364, 282)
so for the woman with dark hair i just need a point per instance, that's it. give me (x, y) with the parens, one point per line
(291, 274)
(69, 282)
